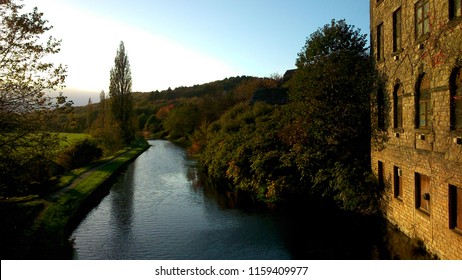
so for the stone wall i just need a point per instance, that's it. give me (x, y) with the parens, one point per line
(431, 151)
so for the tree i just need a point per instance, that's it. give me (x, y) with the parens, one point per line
(89, 114)
(25, 79)
(102, 110)
(120, 88)
(331, 89)
(182, 120)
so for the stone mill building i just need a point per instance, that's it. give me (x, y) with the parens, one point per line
(417, 48)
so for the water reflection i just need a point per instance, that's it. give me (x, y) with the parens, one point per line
(161, 208)
(121, 198)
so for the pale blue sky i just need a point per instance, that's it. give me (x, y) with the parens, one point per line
(173, 43)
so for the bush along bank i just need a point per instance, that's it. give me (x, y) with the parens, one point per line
(316, 147)
(48, 237)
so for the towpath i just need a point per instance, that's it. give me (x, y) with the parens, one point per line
(84, 176)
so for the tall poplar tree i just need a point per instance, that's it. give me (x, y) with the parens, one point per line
(120, 88)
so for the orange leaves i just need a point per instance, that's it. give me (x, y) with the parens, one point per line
(164, 111)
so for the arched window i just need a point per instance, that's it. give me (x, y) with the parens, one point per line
(455, 85)
(423, 102)
(398, 93)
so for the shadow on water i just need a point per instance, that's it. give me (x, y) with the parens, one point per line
(346, 236)
(321, 233)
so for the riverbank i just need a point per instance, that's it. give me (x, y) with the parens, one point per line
(36, 227)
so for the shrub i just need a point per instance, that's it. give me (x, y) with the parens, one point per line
(79, 154)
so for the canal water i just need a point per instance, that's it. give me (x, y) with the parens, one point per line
(160, 209)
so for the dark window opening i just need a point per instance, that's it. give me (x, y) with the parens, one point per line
(455, 85)
(398, 93)
(380, 43)
(422, 192)
(381, 108)
(398, 182)
(381, 176)
(455, 208)
(455, 9)
(397, 30)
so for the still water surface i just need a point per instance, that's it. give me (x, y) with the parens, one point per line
(155, 210)
(158, 209)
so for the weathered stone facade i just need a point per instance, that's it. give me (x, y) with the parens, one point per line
(417, 45)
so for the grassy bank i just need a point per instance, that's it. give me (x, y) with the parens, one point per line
(39, 227)
(70, 138)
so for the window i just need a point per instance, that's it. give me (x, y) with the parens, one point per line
(455, 85)
(423, 103)
(455, 208)
(381, 173)
(422, 192)
(397, 30)
(455, 9)
(381, 108)
(398, 182)
(398, 93)
(422, 18)
(380, 42)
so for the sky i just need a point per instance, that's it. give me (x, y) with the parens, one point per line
(172, 43)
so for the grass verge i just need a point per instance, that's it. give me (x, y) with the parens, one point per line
(47, 223)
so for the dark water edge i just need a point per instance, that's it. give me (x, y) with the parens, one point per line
(319, 232)
(348, 236)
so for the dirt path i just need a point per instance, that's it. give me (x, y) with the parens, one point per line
(82, 177)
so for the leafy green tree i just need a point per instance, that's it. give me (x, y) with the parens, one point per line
(331, 91)
(182, 120)
(25, 108)
(314, 149)
(153, 124)
(245, 150)
(120, 91)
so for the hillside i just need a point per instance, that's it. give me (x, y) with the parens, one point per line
(218, 94)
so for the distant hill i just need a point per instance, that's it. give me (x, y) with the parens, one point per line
(148, 103)
(211, 88)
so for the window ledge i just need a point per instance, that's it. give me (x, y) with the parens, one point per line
(457, 231)
(453, 22)
(422, 130)
(456, 132)
(422, 39)
(398, 52)
(423, 211)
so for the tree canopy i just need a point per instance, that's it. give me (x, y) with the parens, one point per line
(331, 90)
(26, 81)
(316, 147)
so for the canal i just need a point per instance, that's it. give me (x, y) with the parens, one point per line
(159, 209)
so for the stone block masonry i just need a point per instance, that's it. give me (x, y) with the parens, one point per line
(417, 46)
